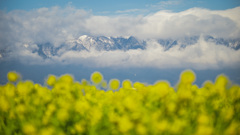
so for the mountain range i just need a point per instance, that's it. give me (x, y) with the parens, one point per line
(88, 43)
(103, 43)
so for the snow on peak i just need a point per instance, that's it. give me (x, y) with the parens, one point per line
(83, 37)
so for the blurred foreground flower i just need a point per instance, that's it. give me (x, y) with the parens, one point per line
(71, 107)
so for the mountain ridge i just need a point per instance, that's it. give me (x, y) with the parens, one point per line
(103, 43)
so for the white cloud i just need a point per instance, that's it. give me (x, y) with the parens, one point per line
(191, 22)
(202, 55)
(56, 25)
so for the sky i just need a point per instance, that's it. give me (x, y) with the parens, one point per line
(113, 7)
(26, 24)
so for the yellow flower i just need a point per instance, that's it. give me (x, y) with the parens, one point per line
(79, 127)
(208, 84)
(234, 92)
(13, 76)
(129, 103)
(125, 124)
(141, 129)
(161, 88)
(51, 80)
(4, 104)
(138, 85)
(66, 79)
(233, 128)
(24, 88)
(62, 115)
(177, 126)
(171, 107)
(162, 125)
(47, 131)
(96, 77)
(227, 113)
(29, 129)
(82, 108)
(204, 130)
(95, 115)
(84, 82)
(127, 84)
(10, 90)
(221, 81)
(21, 108)
(187, 77)
(113, 117)
(104, 84)
(114, 84)
(203, 119)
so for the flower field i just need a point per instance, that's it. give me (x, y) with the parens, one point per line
(64, 106)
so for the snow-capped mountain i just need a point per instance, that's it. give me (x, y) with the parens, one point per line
(102, 43)
(107, 43)
(184, 42)
(89, 43)
(232, 43)
(169, 43)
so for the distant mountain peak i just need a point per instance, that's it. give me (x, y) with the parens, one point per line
(83, 37)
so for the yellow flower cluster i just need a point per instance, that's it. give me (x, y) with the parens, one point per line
(64, 106)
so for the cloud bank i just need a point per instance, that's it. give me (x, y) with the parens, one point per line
(58, 25)
(202, 55)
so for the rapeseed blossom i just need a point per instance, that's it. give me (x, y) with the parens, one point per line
(13, 76)
(96, 77)
(127, 84)
(114, 84)
(65, 106)
(29, 129)
(51, 80)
